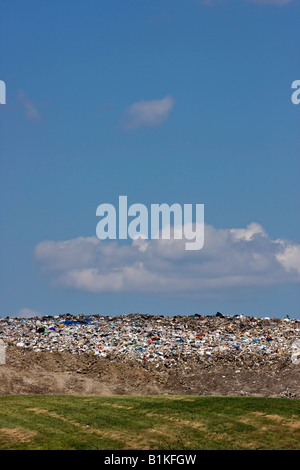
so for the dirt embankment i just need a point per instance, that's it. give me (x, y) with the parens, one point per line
(29, 372)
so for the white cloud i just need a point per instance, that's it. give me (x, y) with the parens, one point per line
(28, 313)
(148, 113)
(230, 259)
(289, 257)
(271, 2)
(31, 111)
(249, 232)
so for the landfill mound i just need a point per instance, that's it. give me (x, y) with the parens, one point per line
(142, 354)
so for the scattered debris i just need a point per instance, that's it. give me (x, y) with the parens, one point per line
(158, 339)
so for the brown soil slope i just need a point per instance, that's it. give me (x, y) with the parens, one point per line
(29, 372)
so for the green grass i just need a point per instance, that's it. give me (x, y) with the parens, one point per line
(47, 422)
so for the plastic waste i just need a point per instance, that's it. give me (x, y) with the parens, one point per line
(295, 357)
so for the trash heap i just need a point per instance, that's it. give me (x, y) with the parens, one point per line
(156, 339)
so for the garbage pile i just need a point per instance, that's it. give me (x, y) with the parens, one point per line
(156, 339)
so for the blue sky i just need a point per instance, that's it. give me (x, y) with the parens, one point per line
(163, 101)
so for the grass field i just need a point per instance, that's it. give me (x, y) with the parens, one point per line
(45, 422)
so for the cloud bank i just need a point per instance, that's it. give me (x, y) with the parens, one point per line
(230, 259)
